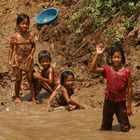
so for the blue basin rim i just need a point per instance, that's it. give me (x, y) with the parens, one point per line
(46, 16)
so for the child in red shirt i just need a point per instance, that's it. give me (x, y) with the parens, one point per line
(118, 89)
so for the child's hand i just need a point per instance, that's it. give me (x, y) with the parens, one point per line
(14, 40)
(72, 108)
(36, 75)
(129, 111)
(10, 63)
(100, 48)
(30, 57)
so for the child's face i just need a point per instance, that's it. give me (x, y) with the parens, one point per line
(45, 63)
(24, 26)
(69, 81)
(117, 59)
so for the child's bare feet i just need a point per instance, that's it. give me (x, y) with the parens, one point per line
(34, 100)
(17, 100)
(48, 105)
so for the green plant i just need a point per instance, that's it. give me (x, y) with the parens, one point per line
(100, 11)
(128, 24)
(113, 34)
(129, 8)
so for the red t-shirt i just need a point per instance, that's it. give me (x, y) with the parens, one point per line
(116, 81)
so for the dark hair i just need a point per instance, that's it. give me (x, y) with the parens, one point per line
(118, 49)
(44, 54)
(21, 17)
(64, 76)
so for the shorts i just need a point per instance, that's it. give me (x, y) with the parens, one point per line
(58, 100)
(119, 109)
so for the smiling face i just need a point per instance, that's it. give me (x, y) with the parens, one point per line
(45, 63)
(117, 59)
(69, 81)
(24, 26)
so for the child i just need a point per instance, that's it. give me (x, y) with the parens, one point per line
(118, 90)
(47, 78)
(66, 90)
(21, 51)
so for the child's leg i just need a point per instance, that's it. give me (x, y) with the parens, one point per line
(18, 75)
(37, 84)
(31, 85)
(53, 94)
(122, 117)
(47, 87)
(108, 112)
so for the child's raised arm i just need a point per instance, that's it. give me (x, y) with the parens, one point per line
(99, 50)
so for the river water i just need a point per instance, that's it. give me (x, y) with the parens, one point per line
(63, 125)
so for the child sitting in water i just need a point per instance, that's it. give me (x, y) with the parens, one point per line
(62, 94)
(47, 78)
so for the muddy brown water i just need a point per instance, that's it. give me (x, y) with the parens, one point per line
(62, 125)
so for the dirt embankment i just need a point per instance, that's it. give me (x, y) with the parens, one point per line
(77, 48)
(69, 50)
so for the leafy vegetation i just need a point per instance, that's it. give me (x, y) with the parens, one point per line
(103, 10)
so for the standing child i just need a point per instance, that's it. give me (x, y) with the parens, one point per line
(21, 51)
(118, 89)
(65, 91)
(47, 78)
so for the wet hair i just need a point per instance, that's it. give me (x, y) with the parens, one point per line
(22, 17)
(64, 76)
(44, 54)
(118, 49)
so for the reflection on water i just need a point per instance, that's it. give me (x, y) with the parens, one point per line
(62, 125)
